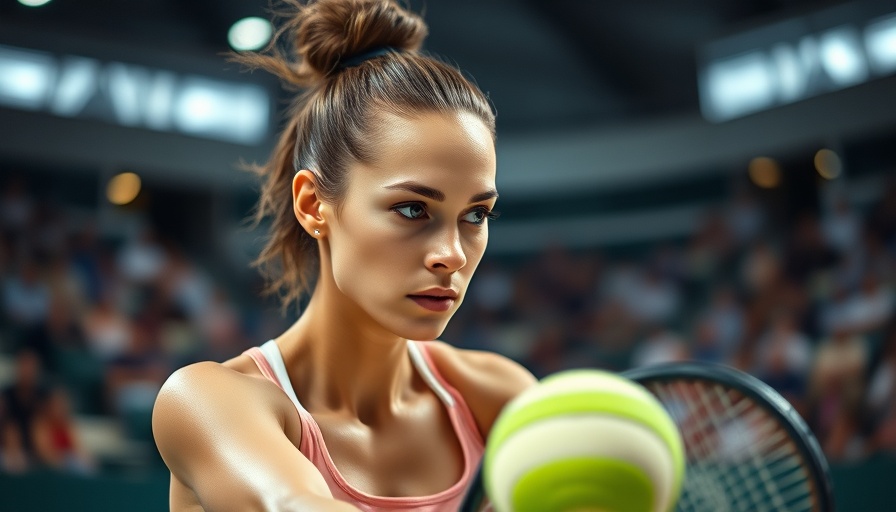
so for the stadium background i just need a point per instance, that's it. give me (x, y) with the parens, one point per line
(633, 229)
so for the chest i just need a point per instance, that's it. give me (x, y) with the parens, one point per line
(415, 454)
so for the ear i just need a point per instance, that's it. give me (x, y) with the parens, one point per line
(306, 203)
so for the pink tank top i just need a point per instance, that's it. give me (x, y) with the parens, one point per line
(270, 362)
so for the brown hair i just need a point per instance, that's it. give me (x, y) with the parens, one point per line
(333, 122)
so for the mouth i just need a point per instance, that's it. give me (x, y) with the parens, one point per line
(435, 300)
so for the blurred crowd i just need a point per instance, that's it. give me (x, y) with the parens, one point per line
(804, 302)
(91, 326)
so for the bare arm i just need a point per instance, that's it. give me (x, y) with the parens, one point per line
(221, 433)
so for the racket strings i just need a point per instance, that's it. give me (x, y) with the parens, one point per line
(761, 425)
(751, 459)
(739, 457)
(702, 491)
(766, 478)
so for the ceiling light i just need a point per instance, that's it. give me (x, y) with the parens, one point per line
(765, 172)
(828, 164)
(25, 78)
(250, 34)
(880, 39)
(842, 57)
(123, 188)
(34, 3)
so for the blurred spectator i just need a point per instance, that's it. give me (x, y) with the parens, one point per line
(882, 219)
(668, 262)
(654, 298)
(761, 268)
(72, 360)
(745, 217)
(880, 400)
(133, 379)
(26, 297)
(563, 280)
(848, 273)
(85, 259)
(661, 346)
(842, 227)
(22, 400)
(870, 307)
(784, 355)
(836, 386)
(56, 438)
(185, 286)
(707, 344)
(878, 258)
(59, 329)
(5, 258)
(708, 250)
(724, 319)
(621, 283)
(808, 253)
(48, 231)
(66, 285)
(107, 330)
(492, 289)
(612, 333)
(220, 327)
(834, 312)
(548, 352)
(62, 329)
(16, 206)
(13, 456)
(142, 260)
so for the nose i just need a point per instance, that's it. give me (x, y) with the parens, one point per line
(447, 252)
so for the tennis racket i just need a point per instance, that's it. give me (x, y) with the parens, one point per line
(747, 449)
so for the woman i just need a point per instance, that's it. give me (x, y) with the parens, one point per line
(380, 190)
(56, 437)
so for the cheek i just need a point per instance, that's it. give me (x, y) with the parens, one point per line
(367, 259)
(475, 251)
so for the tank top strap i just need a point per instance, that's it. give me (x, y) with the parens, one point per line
(270, 362)
(468, 430)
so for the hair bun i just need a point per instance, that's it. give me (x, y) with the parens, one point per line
(331, 31)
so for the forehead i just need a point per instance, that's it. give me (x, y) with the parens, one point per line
(432, 146)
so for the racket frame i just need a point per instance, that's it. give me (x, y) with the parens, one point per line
(763, 396)
(749, 386)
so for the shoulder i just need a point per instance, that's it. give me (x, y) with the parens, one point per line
(210, 419)
(216, 384)
(486, 380)
(199, 395)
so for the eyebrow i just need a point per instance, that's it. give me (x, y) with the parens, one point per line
(437, 195)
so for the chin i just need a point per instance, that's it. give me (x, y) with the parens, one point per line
(422, 331)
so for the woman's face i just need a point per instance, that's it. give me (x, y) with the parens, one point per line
(413, 225)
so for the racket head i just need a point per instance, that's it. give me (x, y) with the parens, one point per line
(705, 400)
(688, 378)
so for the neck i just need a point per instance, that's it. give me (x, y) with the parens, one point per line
(344, 362)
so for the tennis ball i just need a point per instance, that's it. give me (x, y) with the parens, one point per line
(584, 440)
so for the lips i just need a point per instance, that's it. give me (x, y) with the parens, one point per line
(435, 299)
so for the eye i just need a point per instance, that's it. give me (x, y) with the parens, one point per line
(411, 211)
(479, 214)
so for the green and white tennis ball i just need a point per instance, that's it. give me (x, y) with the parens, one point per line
(584, 440)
